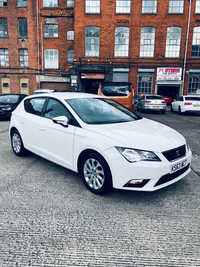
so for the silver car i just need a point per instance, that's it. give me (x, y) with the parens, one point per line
(151, 103)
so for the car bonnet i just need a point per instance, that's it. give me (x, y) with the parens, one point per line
(141, 134)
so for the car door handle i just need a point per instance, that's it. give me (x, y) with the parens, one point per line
(41, 128)
(21, 121)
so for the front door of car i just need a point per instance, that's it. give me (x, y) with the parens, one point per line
(55, 140)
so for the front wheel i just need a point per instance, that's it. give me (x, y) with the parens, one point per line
(96, 174)
(17, 144)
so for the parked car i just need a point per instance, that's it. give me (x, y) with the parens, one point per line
(122, 92)
(186, 103)
(109, 145)
(168, 99)
(42, 91)
(8, 103)
(151, 102)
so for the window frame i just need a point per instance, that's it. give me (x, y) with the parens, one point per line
(173, 51)
(3, 1)
(70, 55)
(123, 8)
(92, 41)
(70, 3)
(4, 27)
(23, 63)
(93, 8)
(146, 49)
(54, 33)
(144, 87)
(4, 54)
(70, 35)
(47, 3)
(195, 43)
(173, 7)
(55, 55)
(149, 7)
(24, 3)
(23, 32)
(125, 31)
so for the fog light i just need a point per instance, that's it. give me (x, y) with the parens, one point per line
(137, 183)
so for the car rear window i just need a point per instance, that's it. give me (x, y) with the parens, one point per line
(115, 89)
(153, 97)
(190, 98)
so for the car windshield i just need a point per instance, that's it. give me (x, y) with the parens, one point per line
(190, 98)
(101, 111)
(9, 99)
(115, 89)
(153, 97)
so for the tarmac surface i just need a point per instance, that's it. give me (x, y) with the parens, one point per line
(48, 218)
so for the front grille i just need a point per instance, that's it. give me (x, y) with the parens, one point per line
(175, 153)
(168, 177)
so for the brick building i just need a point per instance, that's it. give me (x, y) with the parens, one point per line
(75, 44)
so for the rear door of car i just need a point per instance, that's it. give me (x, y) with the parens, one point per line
(30, 121)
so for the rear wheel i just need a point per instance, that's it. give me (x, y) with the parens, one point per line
(179, 111)
(172, 108)
(96, 174)
(17, 144)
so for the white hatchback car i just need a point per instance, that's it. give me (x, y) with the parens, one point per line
(109, 145)
(189, 103)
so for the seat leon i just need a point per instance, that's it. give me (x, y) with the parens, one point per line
(108, 144)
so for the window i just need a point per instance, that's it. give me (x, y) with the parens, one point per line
(22, 2)
(147, 42)
(51, 59)
(51, 30)
(92, 41)
(176, 6)
(197, 9)
(173, 42)
(22, 27)
(70, 35)
(3, 28)
(70, 3)
(4, 58)
(34, 105)
(92, 6)
(70, 55)
(196, 42)
(55, 109)
(149, 6)
(50, 3)
(121, 41)
(3, 3)
(145, 82)
(193, 83)
(23, 58)
(123, 6)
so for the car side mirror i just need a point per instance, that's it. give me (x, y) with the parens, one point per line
(174, 100)
(62, 120)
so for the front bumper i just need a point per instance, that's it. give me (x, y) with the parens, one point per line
(155, 175)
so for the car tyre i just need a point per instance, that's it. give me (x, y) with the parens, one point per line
(172, 108)
(17, 144)
(179, 111)
(96, 174)
(162, 111)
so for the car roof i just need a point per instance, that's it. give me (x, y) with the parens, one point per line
(67, 95)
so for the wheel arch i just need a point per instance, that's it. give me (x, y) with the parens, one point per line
(84, 153)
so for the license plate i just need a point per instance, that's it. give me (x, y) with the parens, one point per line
(155, 107)
(196, 106)
(178, 166)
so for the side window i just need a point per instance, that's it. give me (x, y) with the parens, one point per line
(55, 109)
(34, 105)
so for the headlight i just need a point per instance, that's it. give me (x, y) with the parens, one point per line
(135, 155)
(7, 109)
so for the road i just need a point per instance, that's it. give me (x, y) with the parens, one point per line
(48, 217)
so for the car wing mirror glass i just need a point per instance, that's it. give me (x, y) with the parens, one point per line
(62, 120)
